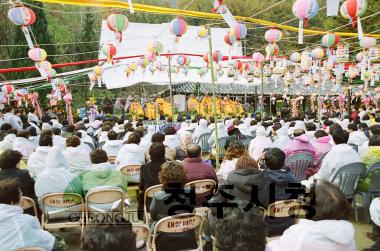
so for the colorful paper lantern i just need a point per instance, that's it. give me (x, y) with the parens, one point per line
(155, 47)
(229, 38)
(132, 66)
(202, 32)
(150, 56)
(367, 42)
(317, 53)
(37, 54)
(117, 23)
(258, 58)
(159, 66)
(206, 58)
(238, 65)
(7, 89)
(181, 60)
(304, 10)
(330, 40)
(142, 62)
(109, 50)
(21, 15)
(178, 27)
(98, 70)
(239, 31)
(295, 57)
(273, 35)
(272, 50)
(217, 56)
(359, 57)
(353, 10)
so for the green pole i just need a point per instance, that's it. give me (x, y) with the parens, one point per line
(171, 86)
(213, 97)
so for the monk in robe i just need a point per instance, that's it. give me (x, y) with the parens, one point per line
(160, 102)
(136, 109)
(167, 108)
(150, 110)
(227, 107)
(207, 104)
(192, 104)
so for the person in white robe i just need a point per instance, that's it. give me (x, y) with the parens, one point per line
(283, 139)
(77, 157)
(146, 141)
(131, 153)
(258, 144)
(200, 130)
(7, 142)
(112, 146)
(37, 160)
(22, 144)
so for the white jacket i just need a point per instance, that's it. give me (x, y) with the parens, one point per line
(37, 160)
(112, 147)
(33, 117)
(200, 130)
(332, 235)
(130, 154)
(283, 139)
(258, 144)
(338, 156)
(23, 145)
(172, 141)
(226, 167)
(78, 159)
(146, 141)
(357, 138)
(18, 230)
(59, 142)
(56, 178)
(13, 120)
(7, 142)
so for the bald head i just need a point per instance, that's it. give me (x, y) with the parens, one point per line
(193, 151)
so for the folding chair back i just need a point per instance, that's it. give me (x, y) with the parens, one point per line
(347, 177)
(253, 133)
(27, 203)
(203, 142)
(149, 193)
(142, 234)
(246, 142)
(298, 164)
(285, 208)
(132, 170)
(112, 159)
(202, 186)
(62, 210)
(179, 224)
(104, 201)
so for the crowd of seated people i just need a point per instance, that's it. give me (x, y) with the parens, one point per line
(41, 156)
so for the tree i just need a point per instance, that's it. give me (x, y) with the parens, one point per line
(42, 36)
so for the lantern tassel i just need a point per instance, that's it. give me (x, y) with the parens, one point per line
(353, 22)
(120, 37)
(300, 32)
(360, 29)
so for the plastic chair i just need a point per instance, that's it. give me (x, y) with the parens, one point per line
(221, 144)
(253, 133)
(178, 224)
(346, 178)
(68, 211)
(101, 144)
(298, 164)
(246, 143)
(27, 203)
(90, 145)
(97, 200)
(203, 142)
(149, 193)
(374, 188)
